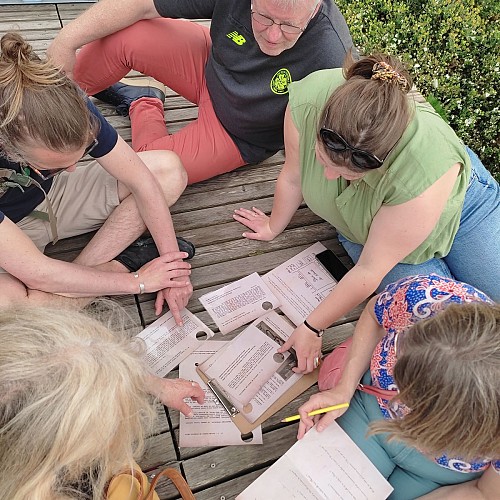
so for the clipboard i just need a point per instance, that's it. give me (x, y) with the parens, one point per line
(238, 417)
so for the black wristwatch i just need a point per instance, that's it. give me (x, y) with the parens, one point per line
(319, 333)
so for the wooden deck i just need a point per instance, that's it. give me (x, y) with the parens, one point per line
(202, 215)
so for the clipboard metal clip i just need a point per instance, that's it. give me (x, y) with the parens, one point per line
(223, 400)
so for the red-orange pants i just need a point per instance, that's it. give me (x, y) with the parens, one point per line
(174, 52)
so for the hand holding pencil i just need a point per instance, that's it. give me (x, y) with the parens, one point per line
(321, 409)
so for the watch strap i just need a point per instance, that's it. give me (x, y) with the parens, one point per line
(319, 333)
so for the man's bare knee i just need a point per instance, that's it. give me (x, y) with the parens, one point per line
(168, 170)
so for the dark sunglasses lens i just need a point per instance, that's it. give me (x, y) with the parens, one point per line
(332, 141)
(365, 160)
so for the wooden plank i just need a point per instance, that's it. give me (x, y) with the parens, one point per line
(227, 196)
(161, 423)
(239, 176)
(70, 10)
(29, 24)
(235, 249)
(17, 13)
(40, 39)
(222, 214)
(230, 462)
(21, 7)
(159, 451)
(229, 490)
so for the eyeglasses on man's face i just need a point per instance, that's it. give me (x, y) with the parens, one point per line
(55, 171)
(287, 28)
(336, 143)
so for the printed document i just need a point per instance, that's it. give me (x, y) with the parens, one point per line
(275, 326)
(167, 343)
(301, 283)
(321, 466)
(210, 424)
(239, 302)
(246, 363)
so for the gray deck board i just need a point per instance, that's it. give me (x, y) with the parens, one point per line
(203, 214)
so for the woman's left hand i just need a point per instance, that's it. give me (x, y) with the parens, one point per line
(257, 221)
(307, 346)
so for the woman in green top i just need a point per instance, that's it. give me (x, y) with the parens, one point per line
(405, 195)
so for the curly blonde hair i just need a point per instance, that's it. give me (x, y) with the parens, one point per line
(73, 408)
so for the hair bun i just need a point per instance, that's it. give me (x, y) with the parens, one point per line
(15, 49)
(385, 72)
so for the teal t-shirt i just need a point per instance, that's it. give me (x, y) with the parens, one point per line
(426, 150)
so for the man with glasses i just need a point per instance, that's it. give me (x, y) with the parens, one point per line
(237, 73)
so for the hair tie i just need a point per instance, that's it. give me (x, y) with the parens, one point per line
(385, 72)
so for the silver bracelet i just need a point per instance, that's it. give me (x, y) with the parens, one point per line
(142, 287)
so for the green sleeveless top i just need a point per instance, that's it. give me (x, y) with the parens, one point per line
(427, 149)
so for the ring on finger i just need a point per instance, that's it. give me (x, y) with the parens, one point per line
(316, 362)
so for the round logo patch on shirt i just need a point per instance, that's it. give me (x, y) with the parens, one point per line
(280, 81)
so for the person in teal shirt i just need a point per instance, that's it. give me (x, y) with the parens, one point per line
(404, 193)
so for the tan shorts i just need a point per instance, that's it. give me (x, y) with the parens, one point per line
(82, 201)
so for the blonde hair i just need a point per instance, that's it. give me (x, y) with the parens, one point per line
(448, 373)
(369, 113)
(73, 409)
(38, 103)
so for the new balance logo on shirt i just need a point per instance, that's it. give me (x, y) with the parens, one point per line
(236, 38)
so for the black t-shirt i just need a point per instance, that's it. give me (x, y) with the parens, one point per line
(16, 204)
(249, 89)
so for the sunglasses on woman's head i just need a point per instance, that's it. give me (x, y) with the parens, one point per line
(54, 171)
(336, 143)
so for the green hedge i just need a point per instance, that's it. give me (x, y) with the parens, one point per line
(452, 48)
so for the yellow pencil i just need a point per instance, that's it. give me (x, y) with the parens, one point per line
(318, 412)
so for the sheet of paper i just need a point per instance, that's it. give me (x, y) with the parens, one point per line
(167, 344)
(239, 303)
(210, 424)
(246, 363)
(326, 466)
(279, 328)
(300, 283)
